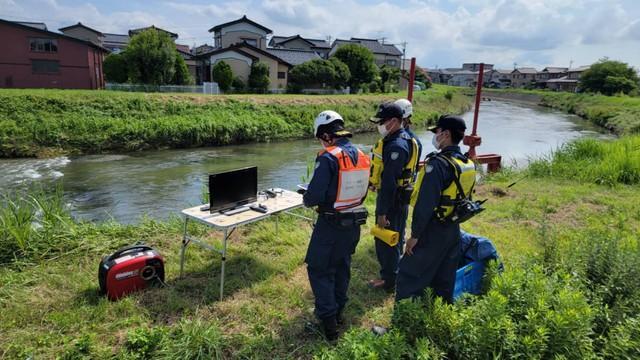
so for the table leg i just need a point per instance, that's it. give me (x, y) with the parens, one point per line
(224, 259)
(185, 242)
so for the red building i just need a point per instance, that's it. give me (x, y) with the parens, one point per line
(31, 57)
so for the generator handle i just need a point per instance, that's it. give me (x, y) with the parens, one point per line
(127, 249)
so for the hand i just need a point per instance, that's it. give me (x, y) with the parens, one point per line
(408, 248)
(372, 188)
(382, 221)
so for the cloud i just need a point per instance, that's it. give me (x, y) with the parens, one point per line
(437, 32)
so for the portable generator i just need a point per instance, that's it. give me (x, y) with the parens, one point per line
(129, 269)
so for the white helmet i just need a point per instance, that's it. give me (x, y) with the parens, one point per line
(324, 118)
(405, 105)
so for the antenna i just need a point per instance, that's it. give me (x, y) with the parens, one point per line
(570, 63)
(515, 65)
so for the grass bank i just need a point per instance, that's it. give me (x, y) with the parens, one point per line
(570, 289)
(619, 114)
(48, 122)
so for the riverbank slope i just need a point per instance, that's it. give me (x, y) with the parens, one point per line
(619, 114)
(571, 284)
(49, 122)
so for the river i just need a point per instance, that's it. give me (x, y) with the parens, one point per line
(125, 187)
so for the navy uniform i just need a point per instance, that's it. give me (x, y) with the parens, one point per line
(337, 230)
(414, 137)
(436, 254)
(396, 172)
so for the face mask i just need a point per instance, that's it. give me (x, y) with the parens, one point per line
(434, 142)
(383, 130)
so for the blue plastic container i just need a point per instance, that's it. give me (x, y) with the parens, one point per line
(469, 279)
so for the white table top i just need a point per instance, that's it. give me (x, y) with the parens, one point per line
(287, 200)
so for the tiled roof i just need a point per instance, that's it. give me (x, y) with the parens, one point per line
(374, 45)
(115, 39)
(580, 69)
(80, 25)
(135, 31)
(275, 40)
(526, 70)
(294, 57)
(554, 69)
(242, 19)
(37, 25)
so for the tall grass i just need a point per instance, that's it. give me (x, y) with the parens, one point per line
(591, 160)
(40, 122)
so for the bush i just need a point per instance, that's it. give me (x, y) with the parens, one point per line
(142, 343)
(318, 73)
(259, 78)
(238, 85)
(115, 68)
(182, 75)
(221, 73)
(609, 77)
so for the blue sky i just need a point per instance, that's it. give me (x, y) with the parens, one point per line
(439, 33)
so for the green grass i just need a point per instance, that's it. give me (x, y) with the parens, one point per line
(49, 122)
(620, 114)
(571, 286)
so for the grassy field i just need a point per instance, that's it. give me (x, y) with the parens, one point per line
(570, 289)
(49, 122)
(620, 114)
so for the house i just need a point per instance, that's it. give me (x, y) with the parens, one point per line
(521, 77)
(466, 78)
(33, 57)
(548, 73)
(570, 81)
(239, 31)
(241, 56)
(297, 42)
(476, 66)
(498, 78)
(384, 54)
(37, 25)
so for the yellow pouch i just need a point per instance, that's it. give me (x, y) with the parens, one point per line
(390, 237)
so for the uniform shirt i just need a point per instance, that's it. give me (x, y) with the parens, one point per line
(396, 152)
(323, 188)
(413, 136)
(438, 176)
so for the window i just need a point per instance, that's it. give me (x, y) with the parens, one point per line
(43, 45)
(392, 62)
(45, 67)
(282, 75)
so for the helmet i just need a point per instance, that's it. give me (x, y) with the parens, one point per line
(324, 118)
(405, 105)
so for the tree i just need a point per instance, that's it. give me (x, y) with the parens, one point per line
(360, 62)
(222, 74)
(389, 74)
(115, 68)
(319, 73)
(181, 75)
(609, 77)
(151, 57)
(342, 76)
(238, 85)
(259, 77)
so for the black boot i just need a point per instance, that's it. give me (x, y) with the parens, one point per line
(340, 317)
(330, 327)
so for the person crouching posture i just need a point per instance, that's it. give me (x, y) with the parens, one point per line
(338, 189)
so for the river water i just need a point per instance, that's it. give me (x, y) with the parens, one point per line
(161, 183)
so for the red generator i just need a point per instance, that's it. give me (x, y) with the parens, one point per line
(130, 269)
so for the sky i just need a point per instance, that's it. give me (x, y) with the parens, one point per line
(438, 33)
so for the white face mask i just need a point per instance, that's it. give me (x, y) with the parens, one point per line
(382, 129)
(434, 142)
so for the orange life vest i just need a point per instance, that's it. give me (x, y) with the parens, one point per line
(353, 180)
